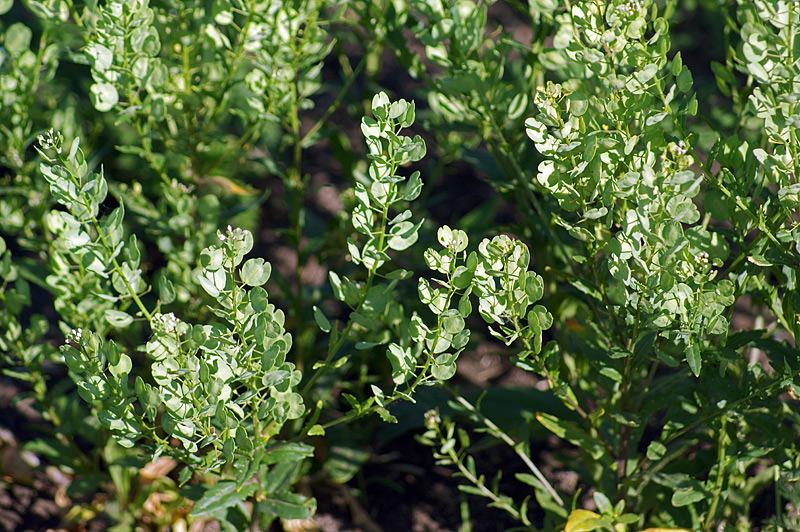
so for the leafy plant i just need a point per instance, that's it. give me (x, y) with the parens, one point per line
(644, 274)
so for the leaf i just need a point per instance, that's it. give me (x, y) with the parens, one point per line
(687, 496)
(399, 275)
(343, 462)
(288, 452)
(255, 272)
(5, 5)
(694, 359)
(123, 367)
(684, 80)
(452, 322)
(602, 502)
(572, 433)
(413, 187)
(316, 430)
(443, 372)
(321, 320)
(166, 290)
(17, 38)
(288, 506)
(655, 119)
(223, 495)
(593, 214)
(656, 450)
(583, 521)
(646, 73)
(273, 378)
(117, 318)
(403, 235)
(104, 96)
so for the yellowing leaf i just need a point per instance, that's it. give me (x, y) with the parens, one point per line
(228, 185)
(582, 521)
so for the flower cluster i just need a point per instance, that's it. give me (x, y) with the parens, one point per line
(701, 258)
(432, 419)
(232, 234)
(186, 189)
(51, 140)
(168, 322)
(74, 336)
(631, 7)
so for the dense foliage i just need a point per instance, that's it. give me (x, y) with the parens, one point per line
(630, 240)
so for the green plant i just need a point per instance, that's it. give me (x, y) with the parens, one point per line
(640, 233)
(657, 244)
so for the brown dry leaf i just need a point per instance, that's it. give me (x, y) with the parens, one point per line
(300, 525)
(14, 465)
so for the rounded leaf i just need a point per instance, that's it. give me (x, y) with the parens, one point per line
(104, 96)
(17, 39)
(256, 272)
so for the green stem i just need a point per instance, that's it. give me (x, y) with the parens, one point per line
(722, 448)
(110, 250)
(336, 103)
(497, 432)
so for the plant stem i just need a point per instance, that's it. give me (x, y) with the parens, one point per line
(498, 433)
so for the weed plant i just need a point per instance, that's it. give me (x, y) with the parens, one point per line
(156, 155)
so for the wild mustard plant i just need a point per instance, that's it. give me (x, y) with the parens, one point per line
(639, 239)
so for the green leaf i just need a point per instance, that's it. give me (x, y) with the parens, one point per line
(316, 430)
(288, 452)
(273, 378)
(166, 291)
(602, 502)
(462, 277)
(117, 318)
(255, 272)
(684, 80)
(452, 322)
(104, 96)
(646, 73)
(694, 359)
(443, 372)
(288, 506)
(5, 5)
(687, 496)
(123, 367)
(223, 495)
(655, 118)
(413, 187)
(17, 38)
(321, 320)
(399, 275)
(656, 450)
(344, 461)
(403, 235)
(572, 433)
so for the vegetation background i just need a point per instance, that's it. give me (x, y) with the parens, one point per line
(632, 362)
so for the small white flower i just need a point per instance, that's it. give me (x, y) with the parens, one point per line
(74, 336)
(235, 234)
(432, 419)
(169, 321)
(51, 140)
